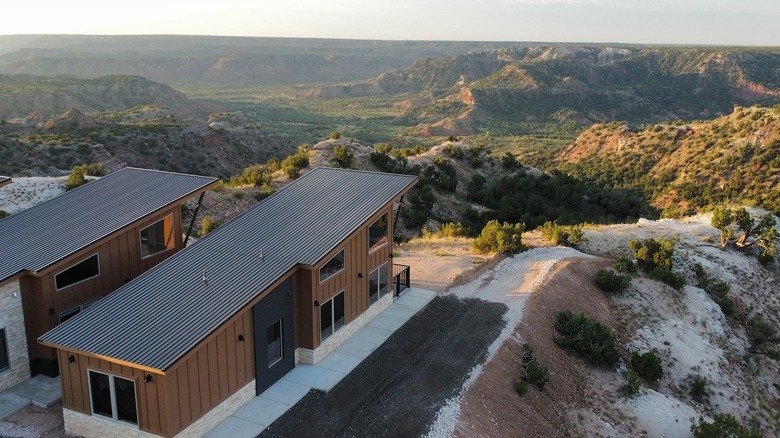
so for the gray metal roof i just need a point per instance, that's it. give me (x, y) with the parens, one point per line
(162, 314)
(35, 238)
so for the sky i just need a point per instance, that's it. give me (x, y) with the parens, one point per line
(718, 22)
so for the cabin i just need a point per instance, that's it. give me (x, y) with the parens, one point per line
(187, 343)
(63, 255)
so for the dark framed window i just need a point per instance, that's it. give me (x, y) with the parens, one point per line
(331, 316)
(274, 340)
(113, 397)
(377, 284)
(81, 271)
(377, 232)
(157, 237)
(333, 267)
(5, 362)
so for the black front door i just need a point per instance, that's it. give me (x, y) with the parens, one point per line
(274, 341)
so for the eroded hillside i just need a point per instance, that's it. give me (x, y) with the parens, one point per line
(685, 166)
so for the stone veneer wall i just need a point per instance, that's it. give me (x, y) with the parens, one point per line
(12, 320)
(311, 357)
(93, 426)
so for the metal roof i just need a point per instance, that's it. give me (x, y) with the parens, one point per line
(162, 314)
(35, 238)
(4, 180)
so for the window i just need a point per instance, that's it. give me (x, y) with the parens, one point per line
(377, 284)
(70, 313)
(157, 237)
(4, 362)
(113, 397)
(274, 339)
(333, 267)
(331, 316)
(84, 270)
(377, 233)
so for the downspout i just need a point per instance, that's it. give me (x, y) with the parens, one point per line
(192, 222)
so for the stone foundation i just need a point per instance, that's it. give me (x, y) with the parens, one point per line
(311, 357)
(93, 426)
(12, 320)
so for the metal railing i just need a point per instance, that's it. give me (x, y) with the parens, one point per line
(400, 278)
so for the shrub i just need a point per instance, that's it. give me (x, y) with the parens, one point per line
(293, 164)
(496, 237)
(534, 373)
(342, 157)
(610, 281)
(567, 235)
(3, 214)
(652, 253)
(647, 366)
(589, 338)
(452, 151)
(75, 179)
(207, 225)
(698, 388)
(666, 275)
(625, 264)
(521, 387)
(761, 332)
(632, 385)
(334, 135)
(448, 230)
(722, 426)
(509, 161)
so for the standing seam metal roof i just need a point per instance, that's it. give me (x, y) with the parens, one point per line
(162, 314)
(33, 239)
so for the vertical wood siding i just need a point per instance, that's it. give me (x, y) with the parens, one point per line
(120, 262)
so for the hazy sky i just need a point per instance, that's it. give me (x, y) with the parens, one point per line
(727, 22)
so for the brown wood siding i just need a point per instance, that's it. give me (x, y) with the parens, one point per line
(220, 367)
(150, 397)
(353, 280)
(120, 261)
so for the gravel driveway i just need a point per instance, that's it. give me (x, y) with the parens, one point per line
(399, 389)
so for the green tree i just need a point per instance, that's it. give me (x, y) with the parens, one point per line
(744, 231)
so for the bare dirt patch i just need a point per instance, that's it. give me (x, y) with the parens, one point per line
(491, 407)
(34, 422)
(437, 264)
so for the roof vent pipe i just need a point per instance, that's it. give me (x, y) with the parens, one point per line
(203, 277)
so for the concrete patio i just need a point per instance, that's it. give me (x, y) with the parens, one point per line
(40, 390)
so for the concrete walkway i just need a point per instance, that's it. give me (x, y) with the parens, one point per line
(262, 410)
(40, 390)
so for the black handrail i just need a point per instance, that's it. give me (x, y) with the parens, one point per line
(401, 278)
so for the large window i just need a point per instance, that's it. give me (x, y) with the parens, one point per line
(331, 316)
(377, 233)
(157, 237)
(113, 397)
(333, 267)
(377, 284)
(4, 362)
(274, 339)
(83, 270)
